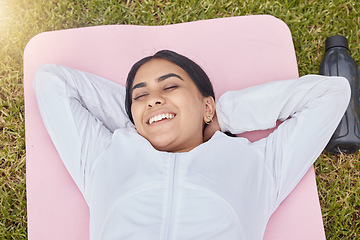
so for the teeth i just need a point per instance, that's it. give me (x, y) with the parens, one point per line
(161, 117)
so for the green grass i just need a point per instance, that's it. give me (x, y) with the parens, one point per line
(310, 22)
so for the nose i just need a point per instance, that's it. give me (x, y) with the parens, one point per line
(154, 100)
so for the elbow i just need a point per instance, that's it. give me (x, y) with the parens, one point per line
(343, 83)
(340, 86)
(344, 88)
(44, 73)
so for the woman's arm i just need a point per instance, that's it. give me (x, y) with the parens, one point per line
(80, 112)
(311, 108)
(259, 107)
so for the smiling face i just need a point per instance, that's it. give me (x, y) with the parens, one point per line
(167, 107)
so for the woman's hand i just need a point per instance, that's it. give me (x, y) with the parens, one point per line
(211, 128)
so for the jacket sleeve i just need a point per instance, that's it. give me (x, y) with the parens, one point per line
(80, 112)
(310, 107)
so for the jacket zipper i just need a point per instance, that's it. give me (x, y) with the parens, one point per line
(171, 199)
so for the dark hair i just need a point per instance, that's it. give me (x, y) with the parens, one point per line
(195, 72)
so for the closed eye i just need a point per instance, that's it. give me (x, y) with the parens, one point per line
(140, 96)
(171, 87)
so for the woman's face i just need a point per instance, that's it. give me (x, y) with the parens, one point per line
(167, 108)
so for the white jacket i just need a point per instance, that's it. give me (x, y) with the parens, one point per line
(226, 188)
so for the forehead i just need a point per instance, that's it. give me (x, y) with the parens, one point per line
(156, 68)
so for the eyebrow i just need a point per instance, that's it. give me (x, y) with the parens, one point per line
(162, 78)
(159, 79)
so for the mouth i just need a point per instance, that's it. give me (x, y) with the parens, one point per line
(160, 117)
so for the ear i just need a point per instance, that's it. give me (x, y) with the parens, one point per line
(209, 109)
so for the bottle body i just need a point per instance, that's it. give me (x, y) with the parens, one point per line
(338, 62)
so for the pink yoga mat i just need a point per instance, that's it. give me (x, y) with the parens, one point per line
(235, 52)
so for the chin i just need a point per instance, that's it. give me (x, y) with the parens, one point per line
(162, 144)
(163, 147)
(171, 147)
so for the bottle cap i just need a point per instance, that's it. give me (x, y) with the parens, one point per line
(336, 41)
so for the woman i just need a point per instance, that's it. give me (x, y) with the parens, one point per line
(156, 166)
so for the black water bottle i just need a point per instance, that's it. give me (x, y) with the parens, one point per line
(338, 62)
